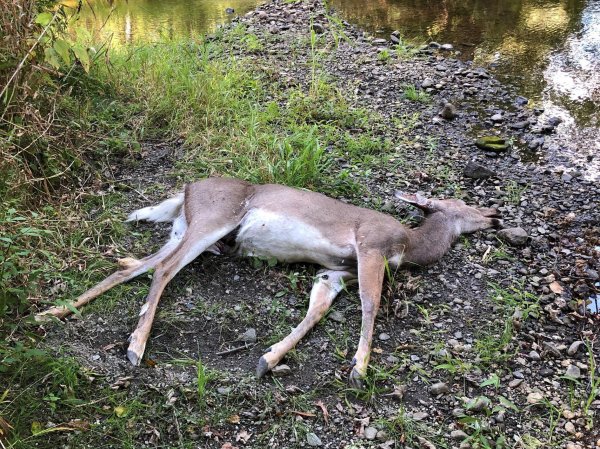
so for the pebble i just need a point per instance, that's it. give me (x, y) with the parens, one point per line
(384, 337)
(427, 82)
(420, 416)
(249, 336)
(535, 398)
(515, 383)
(573, 371)
(535, 356)
(513, 236)
(370, 433)
(439, 388)
(313, 440)
(478, 404)
(458, 435)
(224, 390)
(337, 316)
(570, 427)
(574, 347)
(281, 371)
(320, 29)
(475, 171)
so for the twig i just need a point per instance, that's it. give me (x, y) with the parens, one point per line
(232, 350)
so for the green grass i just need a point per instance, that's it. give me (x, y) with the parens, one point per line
(413, 94)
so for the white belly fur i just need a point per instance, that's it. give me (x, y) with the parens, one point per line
(269, 234)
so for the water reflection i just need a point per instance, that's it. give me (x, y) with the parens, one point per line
(152, 20)
(549, 48)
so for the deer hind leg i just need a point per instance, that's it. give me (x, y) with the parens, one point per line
(326, 287)
(129, 269)
(195, 241)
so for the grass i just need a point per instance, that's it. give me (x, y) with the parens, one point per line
(413, 94)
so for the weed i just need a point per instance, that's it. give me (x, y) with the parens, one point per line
(514, 192)
(413, 94)
(384, 55)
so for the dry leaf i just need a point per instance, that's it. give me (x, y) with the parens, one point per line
(324, 410)
(556, 288)
(377, 350)
(243, 436)
(79, 424)
(234, 419)
(5, 428)
(120, 411)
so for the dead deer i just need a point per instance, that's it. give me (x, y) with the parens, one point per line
(223, 215)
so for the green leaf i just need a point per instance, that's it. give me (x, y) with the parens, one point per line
(508, 404)
(52, 57)
(82, 56)
(492, 380)
(43, 18)
(62, 47)
(120, 411)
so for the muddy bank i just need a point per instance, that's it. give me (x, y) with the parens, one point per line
(440, 375)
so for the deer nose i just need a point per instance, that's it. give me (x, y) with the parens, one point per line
(497, 223)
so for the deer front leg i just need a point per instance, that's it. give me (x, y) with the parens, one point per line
(326, 287)
(370, 280)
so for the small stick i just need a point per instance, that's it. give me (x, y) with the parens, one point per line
(232, 350)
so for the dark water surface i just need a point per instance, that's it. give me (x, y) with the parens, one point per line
(548, 49)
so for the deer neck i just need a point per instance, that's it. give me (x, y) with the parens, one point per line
(430, 241)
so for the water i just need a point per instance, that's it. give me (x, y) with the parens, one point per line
(137, 21)
(548, 49)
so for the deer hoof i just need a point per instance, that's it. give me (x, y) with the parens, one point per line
(134, 357)
(356, 379)
(262, 368)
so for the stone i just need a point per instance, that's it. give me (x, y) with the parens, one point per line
(521, 101)
(514, 236)
(458, 435)
(370, 433)
(497, 118)
(318, 28)
(536, 143)
(434, 44)
(492, 143)
(224, 390)
(574, 347)
(520, 125)
(427, 82)
(535, 356)
(447, 47)
(535, 398)
(395, 39)
(476, 171)
(478, 404)
(384, 337)
(570, 427)
(229, 10)
(439, 388)
(337, 316)
(313, 440)
(449, 111)
(379, 41)
(281, 371)
(249, 336)
(515, 383)
(573, 372)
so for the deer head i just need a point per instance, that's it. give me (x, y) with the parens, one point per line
(467, 219)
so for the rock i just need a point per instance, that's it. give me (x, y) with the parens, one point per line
(224, 390)
(379, 41)
(262, 15)
(574, 347)
(229, 10)
(478, 404)
(427, 82)
(382, 435)
(248, 337)
(439, 388)
(337, 316)
(492, 143)
(458, 435)
(520, 125)
(554, 121)
(573, 372)
(570, 427)
(535, 397)
(521, 101)
(313, 440)
(281, 371)
(447, 47)
(475, 171)
(420, 416)
(513, 236)
(318, 28)
(370, 433)
(536, 143)
(497, 118)
(434, 44)
(384, 337)
(535, 356)
(395, 39)
(515, 383)
(449, 111)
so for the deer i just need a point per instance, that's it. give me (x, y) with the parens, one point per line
(351, 243)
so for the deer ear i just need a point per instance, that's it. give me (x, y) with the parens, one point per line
(415, 199)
